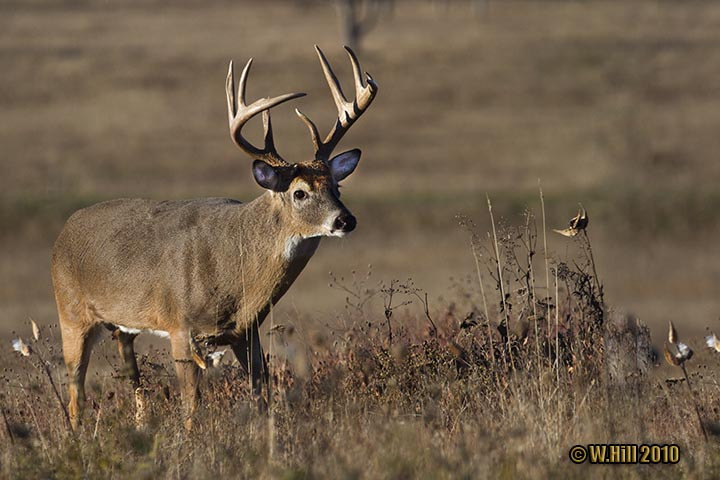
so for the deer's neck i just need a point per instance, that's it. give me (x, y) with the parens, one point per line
(272, 254)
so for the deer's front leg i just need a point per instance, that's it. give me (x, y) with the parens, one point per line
(77, 345)
(126, 349)
(187, 373)
(131, 370)
(248, 351)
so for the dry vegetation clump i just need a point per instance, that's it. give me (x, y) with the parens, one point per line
(498, 382)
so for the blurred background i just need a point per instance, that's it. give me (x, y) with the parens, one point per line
(612, 104)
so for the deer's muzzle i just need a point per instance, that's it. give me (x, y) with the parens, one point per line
(345, 222)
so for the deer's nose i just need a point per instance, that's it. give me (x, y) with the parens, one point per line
(345, 222)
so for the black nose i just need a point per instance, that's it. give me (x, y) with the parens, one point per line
(345, 222)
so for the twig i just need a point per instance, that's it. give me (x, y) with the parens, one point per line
(388, 314)
(557, 344)
(500, 282)
(271, 404)
(592, 262)
(557, 329)
(547, 268)
(484, 300)
(48, 373)
(692, 395)
(7, 426)
(531, 279)
(426, 311)
(97, 422)
(37, 425)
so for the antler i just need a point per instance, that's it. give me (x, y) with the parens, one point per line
(348, 112)
(240, 112)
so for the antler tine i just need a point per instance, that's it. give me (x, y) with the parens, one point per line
(315, 136)
(348, 112)
(242, 86)
(239, 113)
(267, 129)
(357, 72)
(333, 83)
(230, 92)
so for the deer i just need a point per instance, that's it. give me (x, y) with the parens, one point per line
(204, 270)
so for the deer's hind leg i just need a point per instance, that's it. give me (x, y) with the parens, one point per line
(77, 340)
(126, 348)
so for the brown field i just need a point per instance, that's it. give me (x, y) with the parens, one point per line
(612, 104)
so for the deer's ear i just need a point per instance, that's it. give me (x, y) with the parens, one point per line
(344, 164)
(266, 175)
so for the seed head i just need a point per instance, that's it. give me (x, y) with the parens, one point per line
(21, 347)
(577, 223)
(713, 342)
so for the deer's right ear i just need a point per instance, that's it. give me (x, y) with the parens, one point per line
(266, 175)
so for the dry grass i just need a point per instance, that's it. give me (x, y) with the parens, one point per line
(392, 391)
(614, 104)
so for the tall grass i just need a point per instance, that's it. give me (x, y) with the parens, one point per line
(497, 381)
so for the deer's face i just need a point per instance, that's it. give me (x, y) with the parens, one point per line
(309, 193)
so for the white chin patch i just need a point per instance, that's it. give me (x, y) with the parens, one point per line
(135, 331)
(291, 246)
(296, 246)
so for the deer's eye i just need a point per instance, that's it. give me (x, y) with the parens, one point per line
(299, 194)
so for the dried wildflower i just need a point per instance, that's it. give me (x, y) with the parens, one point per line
(21, 347)
(214, 359)
(682, 354)
(199, 360)
(713, 342)
(196, 352)
(577, 223)
(35, 330)
(672, 334)
(670, 358)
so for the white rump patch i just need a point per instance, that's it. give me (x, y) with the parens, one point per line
(136, 331)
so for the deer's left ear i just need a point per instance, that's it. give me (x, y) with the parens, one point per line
(344, 164)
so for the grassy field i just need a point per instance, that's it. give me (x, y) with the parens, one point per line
(457, 392)
(612, 104)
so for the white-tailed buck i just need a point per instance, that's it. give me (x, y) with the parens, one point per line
(205, 269)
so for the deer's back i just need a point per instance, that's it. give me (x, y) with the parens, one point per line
(138, 258)
(124, 232)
